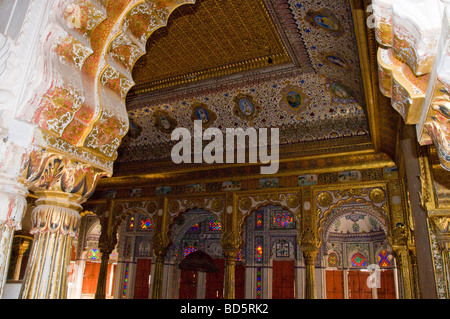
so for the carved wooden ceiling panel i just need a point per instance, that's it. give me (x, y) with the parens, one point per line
(210, 38)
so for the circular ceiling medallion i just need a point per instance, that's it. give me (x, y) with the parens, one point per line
(293, 100)
(200, 111)
(245, 107)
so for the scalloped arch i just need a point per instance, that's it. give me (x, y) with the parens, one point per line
(89, 56)
(176, 239)
(330, 216)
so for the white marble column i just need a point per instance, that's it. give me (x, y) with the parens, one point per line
(12, 207)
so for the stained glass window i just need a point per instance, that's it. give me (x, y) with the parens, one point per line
(258, 283)
(332, 260)
(194, 228)
(358, 260)
(113, 255)
(259, 251)
(188, 250)
(384, 259)
(239, 256)
(214, 225)
(282, 219)
(259, 222)
(93, 254)
(125, 281)
(146, 223)
(131, 223)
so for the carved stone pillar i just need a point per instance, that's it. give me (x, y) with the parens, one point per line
(109, 222)
(61, 185)
(160, 247)
(231, 253)
(13, 191)
(309, 246)
(310, 255)
(12, 207)
(402, 254)
(231, 243)
(107, 242)
(440, 227)
(55, 222)
(100, 292)
(22, 249)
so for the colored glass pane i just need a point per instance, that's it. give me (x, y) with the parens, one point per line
(239, 256)
(194, 228)
(125, 281)
(332, 260)
(146, 223)
(113, 255)
(93, 254)
(214, 225)
(383, 259)
(259, 220)
(259, 251)
(282, 219)
(189, 250)
(131, 223)
(358, 260)
(258, 283)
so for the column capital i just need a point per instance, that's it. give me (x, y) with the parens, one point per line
(160, 245)
(398, 235)
(308, 240)
(441, 227)
(230, 242)
(60, 180)
(310, 256)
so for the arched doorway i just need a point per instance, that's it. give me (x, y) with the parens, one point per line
(191, 265)
(273, 254)
(196, 230)
(135, 255)
(357, 256)
(85, 267)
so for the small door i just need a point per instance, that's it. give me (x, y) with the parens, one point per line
(188, 284)
(357, 285)
(240, 282)
(141, 286)
(387, 285)
(91, 272)
(283, 279)
(214, 281)
(335, 284)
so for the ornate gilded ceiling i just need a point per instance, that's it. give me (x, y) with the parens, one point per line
(215, 52)
(210, 38)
